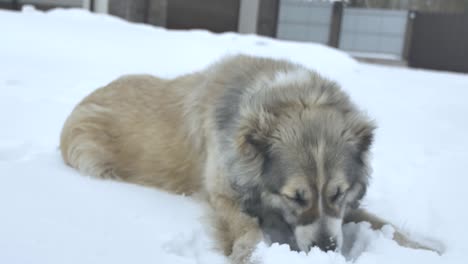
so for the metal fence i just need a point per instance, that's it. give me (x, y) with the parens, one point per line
(361, 30)
(304, 21)
(426, 40)
(439, 41)
(373, 31)
(214, 15)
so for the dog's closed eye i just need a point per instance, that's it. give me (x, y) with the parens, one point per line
(298, 197)
(337, 196)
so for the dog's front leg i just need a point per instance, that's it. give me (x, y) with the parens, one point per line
(361, 215)
(244, 246)
(236, 232)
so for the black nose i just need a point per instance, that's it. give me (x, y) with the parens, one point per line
(326, 243)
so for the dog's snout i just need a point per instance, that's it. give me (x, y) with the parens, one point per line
(326, 243)
(326, 234)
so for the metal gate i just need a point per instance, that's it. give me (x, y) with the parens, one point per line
(214, 15)
(374, 31)
(304, 21)
(439, 41)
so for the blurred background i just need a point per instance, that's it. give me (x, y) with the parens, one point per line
(430, 34)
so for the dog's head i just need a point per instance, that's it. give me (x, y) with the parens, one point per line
(300, 166)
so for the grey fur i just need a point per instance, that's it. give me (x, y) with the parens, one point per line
(279, 134)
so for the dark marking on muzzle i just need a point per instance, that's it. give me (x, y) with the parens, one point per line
(277, 230)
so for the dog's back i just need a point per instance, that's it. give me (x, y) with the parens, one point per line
(156, 132)
(131, 130)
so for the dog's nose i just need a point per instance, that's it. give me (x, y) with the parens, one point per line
(326, 243)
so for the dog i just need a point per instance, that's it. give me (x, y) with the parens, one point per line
(279, 153)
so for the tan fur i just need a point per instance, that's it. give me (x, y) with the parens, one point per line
(157, 132)
(294, 184)
(120, 132)
(163, 133)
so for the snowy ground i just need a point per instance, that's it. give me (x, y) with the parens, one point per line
(50, 214)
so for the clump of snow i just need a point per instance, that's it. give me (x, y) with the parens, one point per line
(28, 9)
(50, 214)
(361, 242)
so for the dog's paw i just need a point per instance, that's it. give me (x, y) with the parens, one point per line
(418, 242)
(244, 246)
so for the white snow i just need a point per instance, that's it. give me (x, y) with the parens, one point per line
(51, 214)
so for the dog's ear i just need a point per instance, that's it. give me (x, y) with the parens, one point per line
(365, 136)
(254, 132)
(355, 194)
(252, 141)
(360, 133)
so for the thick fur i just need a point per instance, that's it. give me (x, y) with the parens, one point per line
(279, 152)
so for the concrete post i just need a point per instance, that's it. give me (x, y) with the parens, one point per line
(157, 12)
(135, 10)
(248, 16)
(335, 26)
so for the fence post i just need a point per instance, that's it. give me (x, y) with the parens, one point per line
(15, 5)
(91, 5)
(157, 12)
(335, 25)
(248, 16)
(135, 11)
(408, 35)
(267, 22)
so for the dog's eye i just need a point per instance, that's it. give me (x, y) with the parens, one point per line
(298, 198)
(337, 195)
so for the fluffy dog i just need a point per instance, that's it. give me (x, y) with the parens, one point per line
(279, 152)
